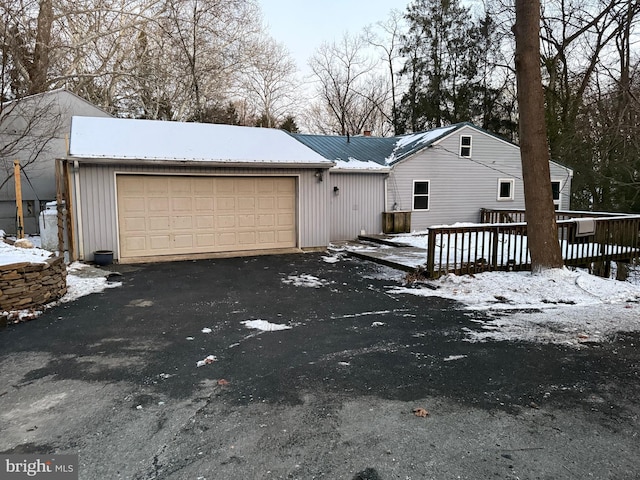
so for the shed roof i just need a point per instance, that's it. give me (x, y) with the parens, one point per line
(128, 139)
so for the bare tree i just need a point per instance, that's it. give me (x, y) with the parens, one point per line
(269, 82)
(350, 91)
(386, 36)
(542, 232)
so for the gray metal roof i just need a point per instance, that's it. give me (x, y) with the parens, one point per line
(381, 150)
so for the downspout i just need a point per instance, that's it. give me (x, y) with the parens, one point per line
(76, 185)
(386, 186)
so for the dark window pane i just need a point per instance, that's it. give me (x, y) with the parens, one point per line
(555, 188)
(421, 188)
(465, 141)
(505, 189)
(421, 203)
(465, 151)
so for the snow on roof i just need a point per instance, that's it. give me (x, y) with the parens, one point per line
(118, 138)
(359, 165)
(408, 143)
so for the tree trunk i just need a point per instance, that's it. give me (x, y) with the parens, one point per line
(542, 231)
(40, 68)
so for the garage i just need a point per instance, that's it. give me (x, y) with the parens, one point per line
(149, 190)
(176, 214)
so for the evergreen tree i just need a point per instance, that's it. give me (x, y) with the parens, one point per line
(442, 64)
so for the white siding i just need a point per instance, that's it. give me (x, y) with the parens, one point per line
(459, 187)
(358, 204)
(98, 202)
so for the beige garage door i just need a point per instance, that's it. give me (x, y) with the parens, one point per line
(171, 215)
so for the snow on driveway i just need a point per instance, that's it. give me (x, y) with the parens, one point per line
(264, 325)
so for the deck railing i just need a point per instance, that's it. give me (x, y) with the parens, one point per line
(503, 246)
(488, 215)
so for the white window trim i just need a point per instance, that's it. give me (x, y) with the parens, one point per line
(413, 196)
(558, 202)
(511, 197)
(470, 146)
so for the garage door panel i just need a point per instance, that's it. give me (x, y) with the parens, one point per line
(205, 240)
(246, 203)
(266, 186)
(285, 220)
(159, 242)
(134, 204)
(164, 215)
(285, 236)
(246, 186)
(136, 244)
(158, 223)
(266, 203)
(227, 239)
(247, 238)
(181, 185)
(157, 186)
(135, 224)
(268, 237)
(286, 203)
(204, 204)
(205, 222)
(158, 204)
(266, 220)
(246, 220)
(183, 241)
(226, 204)
(182, 222)
(226, 221)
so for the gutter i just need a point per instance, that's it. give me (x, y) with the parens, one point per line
(200, 163)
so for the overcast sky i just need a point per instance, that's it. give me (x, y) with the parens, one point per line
(302, 25)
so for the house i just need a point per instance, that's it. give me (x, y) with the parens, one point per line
(34, 131)
(441, 176)
(150, 190)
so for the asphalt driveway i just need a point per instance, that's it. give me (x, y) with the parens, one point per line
(113, 377)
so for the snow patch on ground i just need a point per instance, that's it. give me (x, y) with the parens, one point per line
(79, 285)
(331, 259)
(557, 306)
(264, 325)
(524, 290)
(304, 280)
(450, 358)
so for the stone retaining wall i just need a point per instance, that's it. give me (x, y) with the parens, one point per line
(31, 285)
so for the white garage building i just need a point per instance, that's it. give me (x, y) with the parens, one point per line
(152, 190)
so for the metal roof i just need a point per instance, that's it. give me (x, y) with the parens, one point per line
(381, 150)
(364, 149)
(155, 140)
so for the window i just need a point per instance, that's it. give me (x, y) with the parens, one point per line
(421, 195)
(465, 145)
(556, 188)
(505, 188)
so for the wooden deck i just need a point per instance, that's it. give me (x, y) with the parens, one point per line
(586, 238)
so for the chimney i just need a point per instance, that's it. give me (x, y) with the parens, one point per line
(367, 133)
